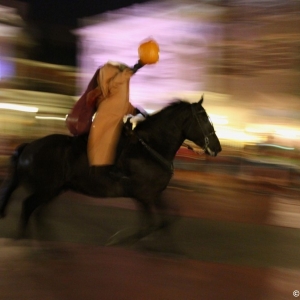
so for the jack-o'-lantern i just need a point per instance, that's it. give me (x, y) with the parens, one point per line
(149, 52)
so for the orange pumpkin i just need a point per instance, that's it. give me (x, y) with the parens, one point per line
(149, 52)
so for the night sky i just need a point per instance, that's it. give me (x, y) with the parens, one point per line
(49, 24)
(67, 11)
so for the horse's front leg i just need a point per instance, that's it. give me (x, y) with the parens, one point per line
(147, 221)
(169, 214)
(131, 236)
(161, 240)
(150, 222)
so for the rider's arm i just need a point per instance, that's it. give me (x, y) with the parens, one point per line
(110, 80)
(121, 77)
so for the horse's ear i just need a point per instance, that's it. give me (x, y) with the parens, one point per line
(201, 100)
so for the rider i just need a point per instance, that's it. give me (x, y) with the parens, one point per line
(111, 98)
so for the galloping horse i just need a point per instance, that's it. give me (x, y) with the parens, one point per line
(57, 163)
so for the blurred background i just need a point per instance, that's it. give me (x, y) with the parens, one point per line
(243, 55)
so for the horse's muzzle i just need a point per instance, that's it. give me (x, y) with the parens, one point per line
(211, 152)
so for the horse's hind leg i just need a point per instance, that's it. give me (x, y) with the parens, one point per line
(11, 181)
(7, 188)
(30, 204)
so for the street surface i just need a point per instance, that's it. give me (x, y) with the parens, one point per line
(233, 240)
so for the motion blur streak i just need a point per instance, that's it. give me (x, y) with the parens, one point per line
(18, 107)
(240, 211)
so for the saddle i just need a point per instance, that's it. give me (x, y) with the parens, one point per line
(79, 142)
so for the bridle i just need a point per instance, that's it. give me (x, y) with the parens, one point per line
(169, 165)
(206, 134)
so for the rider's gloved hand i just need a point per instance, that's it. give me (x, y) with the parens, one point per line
(137, 66)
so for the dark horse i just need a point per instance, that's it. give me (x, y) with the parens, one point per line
(57, 163)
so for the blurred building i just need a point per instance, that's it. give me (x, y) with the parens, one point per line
(10, 29)
(243, 55)
(183, 30)
(18, 70)
(259, 50)
(34, 96)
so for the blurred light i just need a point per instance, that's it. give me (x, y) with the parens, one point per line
(18, 107)
(237, 135)
(218, 120)
(277, 146)
(288, 133)
(255, 129)
(51, 118)
(284, 132)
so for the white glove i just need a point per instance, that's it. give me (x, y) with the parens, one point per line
(134, 120)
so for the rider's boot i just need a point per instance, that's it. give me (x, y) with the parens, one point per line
(97, 171)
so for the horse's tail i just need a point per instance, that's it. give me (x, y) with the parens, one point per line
(11, 181)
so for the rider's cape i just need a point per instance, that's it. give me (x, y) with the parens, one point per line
(79, 120)
(112, 100)
(100, 111)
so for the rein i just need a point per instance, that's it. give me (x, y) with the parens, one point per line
(165, 163)
(159, 158)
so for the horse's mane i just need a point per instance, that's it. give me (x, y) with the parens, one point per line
(177, 108)
(175, 105)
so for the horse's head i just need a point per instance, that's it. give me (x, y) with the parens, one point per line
(201, 131)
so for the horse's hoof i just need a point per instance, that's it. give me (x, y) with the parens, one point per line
(122, 242)
(126, 236)
(21, 235)
(156, 248)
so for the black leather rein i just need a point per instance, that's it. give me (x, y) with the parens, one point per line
(165, 163)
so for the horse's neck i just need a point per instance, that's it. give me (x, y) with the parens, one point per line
(165, 138)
